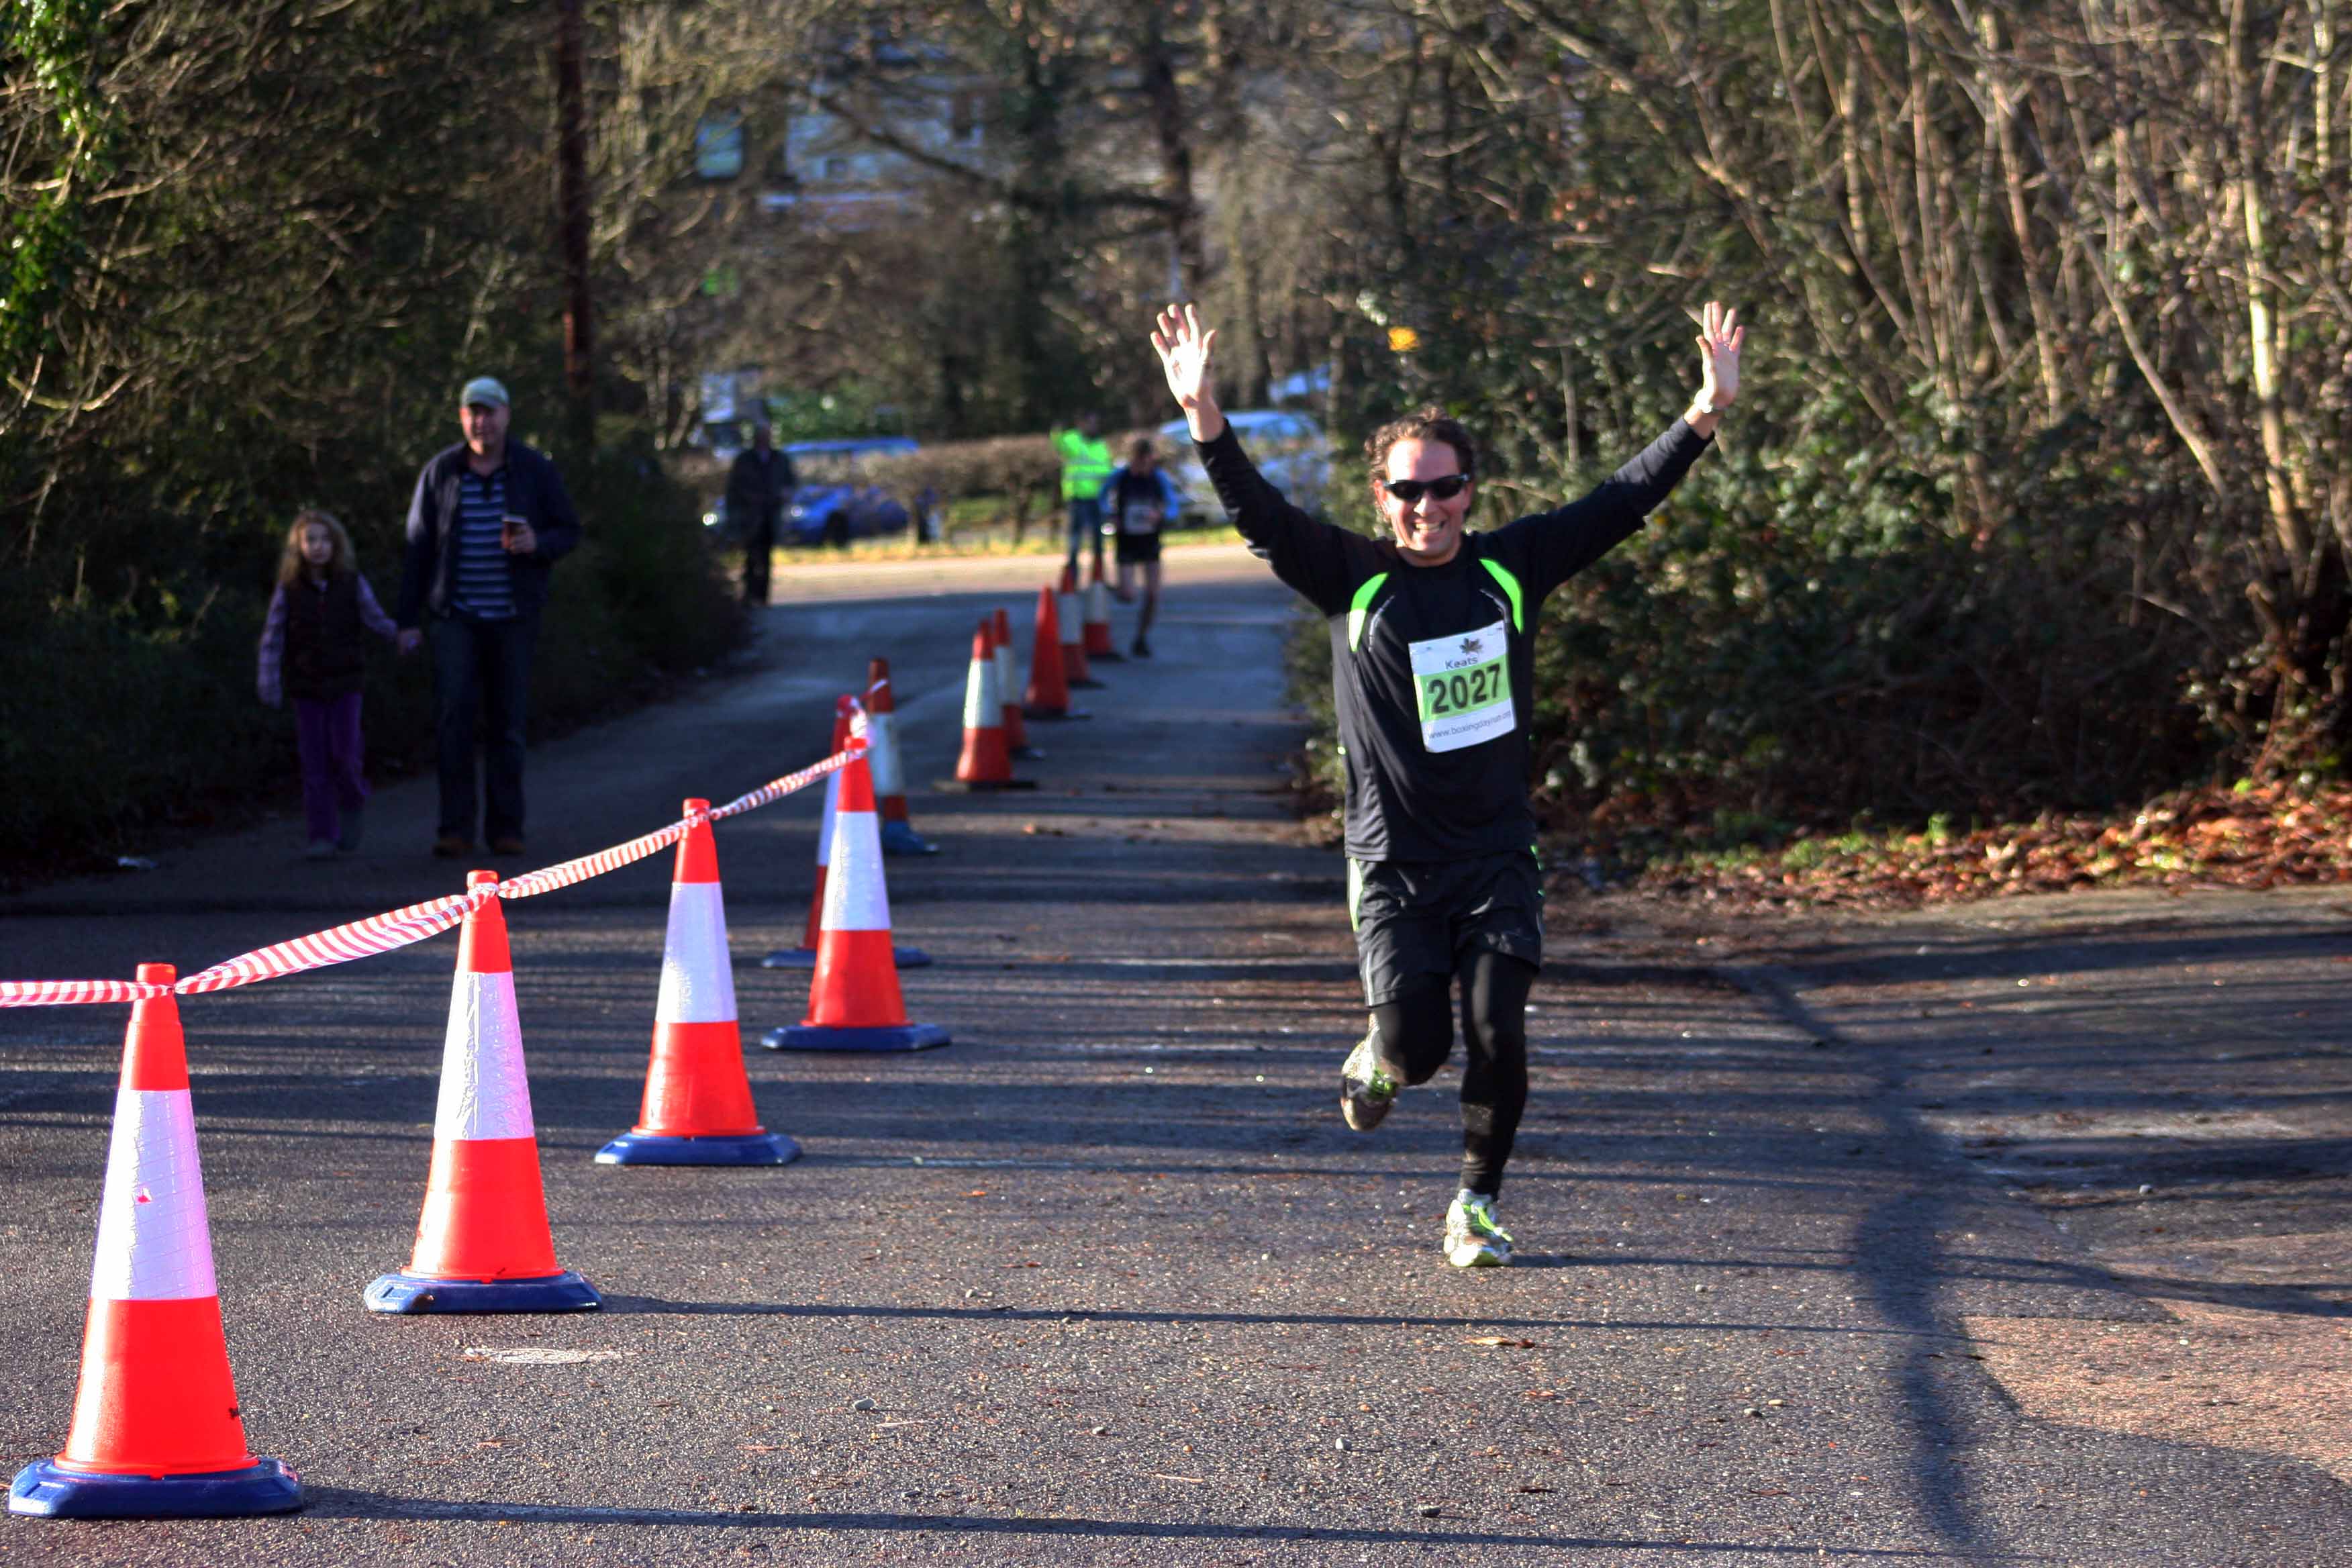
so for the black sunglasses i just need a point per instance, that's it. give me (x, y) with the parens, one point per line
(1410, 491)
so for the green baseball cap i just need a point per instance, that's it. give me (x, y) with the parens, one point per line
(483, 389)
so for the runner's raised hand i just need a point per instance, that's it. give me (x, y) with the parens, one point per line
(1186, 354)
(1720, 337)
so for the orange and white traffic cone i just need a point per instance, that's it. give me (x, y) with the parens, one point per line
(697, 1105)
(156, 1431)
(1048, 696)
(1070, 617)
(986, 762)
(898, 834)
(805, 956)
(1097, 639)
(1008, 687)
(482, 1242)
(854, 999)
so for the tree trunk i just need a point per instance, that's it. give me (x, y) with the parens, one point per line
(1169, 125)
(571, 206)
(2287, 521)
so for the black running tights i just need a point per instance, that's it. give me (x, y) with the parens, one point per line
(1416, 1034)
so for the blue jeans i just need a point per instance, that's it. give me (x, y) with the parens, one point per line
(1085, 522)
(481, 670)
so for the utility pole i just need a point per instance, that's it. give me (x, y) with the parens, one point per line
(572, 212)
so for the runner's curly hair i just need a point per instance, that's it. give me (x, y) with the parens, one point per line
(1427, 423)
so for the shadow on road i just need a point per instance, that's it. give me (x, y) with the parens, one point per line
(330, 1503)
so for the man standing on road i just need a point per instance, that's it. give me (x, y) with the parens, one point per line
(1086, 465)
(1432, 653)
(489, 518)
(758, 485)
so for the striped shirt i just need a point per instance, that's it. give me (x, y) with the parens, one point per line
(480, 586)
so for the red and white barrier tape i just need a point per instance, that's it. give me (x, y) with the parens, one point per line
(791, 782)
(383, 933)
(361, 939)
(66, 993)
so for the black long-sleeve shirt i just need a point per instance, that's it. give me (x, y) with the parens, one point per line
(1432, 666)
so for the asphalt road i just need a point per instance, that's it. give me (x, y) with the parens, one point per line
(1107, 1281)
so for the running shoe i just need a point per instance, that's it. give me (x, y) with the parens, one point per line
(1365, 1090)
(1473, 1239)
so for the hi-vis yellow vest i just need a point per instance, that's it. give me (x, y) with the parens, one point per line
(1085, 464)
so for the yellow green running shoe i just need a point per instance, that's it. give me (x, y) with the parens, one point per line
(1473, 1239)
(1366, 1088)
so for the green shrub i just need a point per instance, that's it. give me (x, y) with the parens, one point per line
(1785, 647)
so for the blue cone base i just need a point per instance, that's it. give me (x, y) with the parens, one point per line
(806, 958)
(665, 1148)
(898, 838)
(406, 1292)
(892, 1037)
(48, 1491)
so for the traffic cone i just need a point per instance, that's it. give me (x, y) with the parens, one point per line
(804, 955)
(1098, 640)
(697, 1105)
(1008, 687)
(986, 763)
(482, 1242)
(156, 1432)
(1070, 617)
(854, 999)
(1048, 696)
(898, 834)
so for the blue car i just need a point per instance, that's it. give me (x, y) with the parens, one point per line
(836, 499)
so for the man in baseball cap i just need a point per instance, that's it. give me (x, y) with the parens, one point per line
(490, 515)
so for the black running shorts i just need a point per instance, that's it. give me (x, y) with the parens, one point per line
(1416, 921)
(1136, 548)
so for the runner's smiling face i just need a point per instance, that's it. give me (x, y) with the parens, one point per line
(1428, 530)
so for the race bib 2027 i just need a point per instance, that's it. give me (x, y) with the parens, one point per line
(1463, 684)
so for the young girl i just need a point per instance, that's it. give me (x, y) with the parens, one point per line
(312, 635)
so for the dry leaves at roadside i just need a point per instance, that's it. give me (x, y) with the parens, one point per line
(2255, 837)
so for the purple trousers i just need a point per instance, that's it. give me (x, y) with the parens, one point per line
(327, 734)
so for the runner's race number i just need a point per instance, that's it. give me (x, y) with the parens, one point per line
(1462, 683)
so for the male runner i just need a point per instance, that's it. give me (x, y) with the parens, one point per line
(1432, 654)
